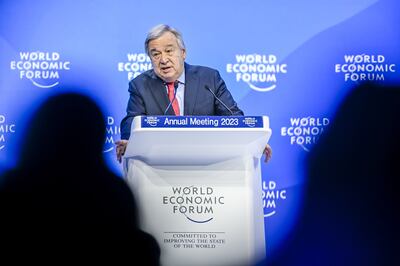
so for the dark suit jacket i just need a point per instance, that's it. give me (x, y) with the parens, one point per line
(148, 96)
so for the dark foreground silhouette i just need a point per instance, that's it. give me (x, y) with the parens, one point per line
(61, 200)
(349, 215)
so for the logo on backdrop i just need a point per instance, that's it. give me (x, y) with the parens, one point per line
(304, 131)
(112, 131)
(198, 204)
(5, 130)
(41, 68)
(271, 195)
(363, 67)
(136, 64)
(258, 71)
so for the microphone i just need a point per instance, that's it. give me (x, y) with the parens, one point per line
(176, 84)
(215, 96)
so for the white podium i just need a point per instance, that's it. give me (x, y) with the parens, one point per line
(197, 182)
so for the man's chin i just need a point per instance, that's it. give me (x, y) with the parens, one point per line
(167, 78)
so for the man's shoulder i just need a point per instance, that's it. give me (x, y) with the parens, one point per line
(143, 77)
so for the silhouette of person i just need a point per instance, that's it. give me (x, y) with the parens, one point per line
(62, 192)
(349, 213)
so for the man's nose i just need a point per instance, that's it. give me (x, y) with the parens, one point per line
(163, 58)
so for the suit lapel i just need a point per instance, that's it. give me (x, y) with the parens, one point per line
(191, 89)
(159, 93)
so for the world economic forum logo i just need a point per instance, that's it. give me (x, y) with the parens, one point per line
(197, 203)
(304, 131)
(271, 194)
(5, 129)
(258, 71)
(41, 68)
(151, 120)
(112, 131)
(135, 64)
(364, 67)
(250, 121)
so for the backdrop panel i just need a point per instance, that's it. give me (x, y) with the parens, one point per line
(292, 61)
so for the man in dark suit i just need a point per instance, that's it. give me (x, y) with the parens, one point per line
(174, 87)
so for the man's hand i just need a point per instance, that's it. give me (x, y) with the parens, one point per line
(120, 148)
(267, 152)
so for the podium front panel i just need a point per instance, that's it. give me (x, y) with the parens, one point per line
(199, 195)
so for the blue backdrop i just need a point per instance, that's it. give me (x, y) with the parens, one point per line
(291, 60)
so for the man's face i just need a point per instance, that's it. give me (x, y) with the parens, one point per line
(166, 57)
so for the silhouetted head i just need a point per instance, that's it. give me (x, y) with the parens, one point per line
(350, 193)
(351, 197)
(362, 142)
(67, 129)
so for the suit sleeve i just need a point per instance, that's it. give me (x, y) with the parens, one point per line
(134, 108)
(225, 96)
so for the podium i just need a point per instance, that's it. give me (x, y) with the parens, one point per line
(197, 183)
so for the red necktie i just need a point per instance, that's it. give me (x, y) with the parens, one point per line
(172, 98)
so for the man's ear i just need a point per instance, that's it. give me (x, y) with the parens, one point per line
(184, 54)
